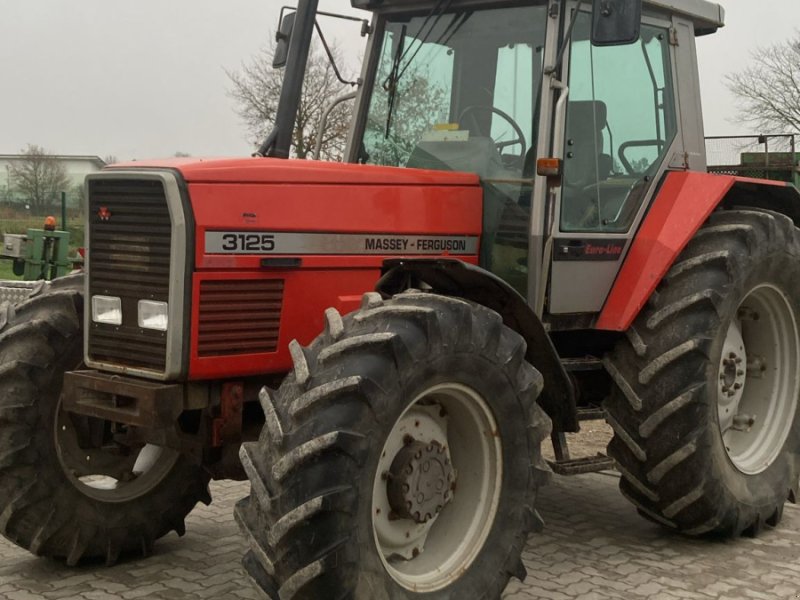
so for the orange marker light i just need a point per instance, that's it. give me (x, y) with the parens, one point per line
(548, 167)
(50, 223)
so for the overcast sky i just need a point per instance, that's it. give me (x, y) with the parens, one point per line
(147, 78)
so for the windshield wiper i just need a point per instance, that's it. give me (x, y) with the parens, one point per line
(392, 81)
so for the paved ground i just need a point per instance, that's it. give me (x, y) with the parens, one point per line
(594, 547)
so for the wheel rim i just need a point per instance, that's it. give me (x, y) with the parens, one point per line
(450, 428)
(104, 468)
(758, 379)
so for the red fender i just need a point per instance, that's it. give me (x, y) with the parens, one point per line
(681, 207)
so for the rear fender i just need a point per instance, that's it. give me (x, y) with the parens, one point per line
(684, 202)
(451, 277)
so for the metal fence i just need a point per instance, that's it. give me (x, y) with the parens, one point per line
(760, 156)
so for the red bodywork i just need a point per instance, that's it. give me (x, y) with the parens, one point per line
(307, 196)
(681, 207)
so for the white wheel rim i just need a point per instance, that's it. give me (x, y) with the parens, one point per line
(144, 468)
(759, 380)
(425, 557)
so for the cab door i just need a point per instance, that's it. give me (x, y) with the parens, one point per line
(621, 127)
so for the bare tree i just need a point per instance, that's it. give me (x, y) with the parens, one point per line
(257, 89)
(393, 145)
(39, 177)
(769, 89)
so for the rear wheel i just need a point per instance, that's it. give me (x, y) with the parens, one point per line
(705, 414)
(399, 460)
(68, 487)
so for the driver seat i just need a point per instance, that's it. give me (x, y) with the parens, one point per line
(586, 163)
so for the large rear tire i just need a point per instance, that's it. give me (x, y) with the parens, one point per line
(705, 413)
(57, 497)
(399, 460)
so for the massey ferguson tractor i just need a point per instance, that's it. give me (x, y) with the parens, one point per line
(525, 202)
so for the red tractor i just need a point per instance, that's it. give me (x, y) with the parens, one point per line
(525, 190)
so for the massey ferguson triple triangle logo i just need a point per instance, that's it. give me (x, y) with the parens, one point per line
(104, 213)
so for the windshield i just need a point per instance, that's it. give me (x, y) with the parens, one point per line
(458, 91)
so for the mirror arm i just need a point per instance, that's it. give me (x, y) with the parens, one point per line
(331, 58)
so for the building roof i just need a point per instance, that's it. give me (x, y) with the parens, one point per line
(74, 157)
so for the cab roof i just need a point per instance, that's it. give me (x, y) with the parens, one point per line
(707, 16)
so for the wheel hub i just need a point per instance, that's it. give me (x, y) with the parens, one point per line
(420, 481)
(425, 529)
(759, 379)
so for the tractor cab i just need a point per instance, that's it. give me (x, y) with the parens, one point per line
(491, 88)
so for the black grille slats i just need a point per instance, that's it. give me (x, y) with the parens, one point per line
(129, 257)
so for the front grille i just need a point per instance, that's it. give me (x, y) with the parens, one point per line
(129, 257)
(239, 316)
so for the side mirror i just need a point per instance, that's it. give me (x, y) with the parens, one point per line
(616, 22)
(282, 37)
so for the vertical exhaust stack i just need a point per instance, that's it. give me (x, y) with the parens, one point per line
(279, 140)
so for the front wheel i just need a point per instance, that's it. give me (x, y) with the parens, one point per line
(70, 486)
(400, 459)
(705, 414)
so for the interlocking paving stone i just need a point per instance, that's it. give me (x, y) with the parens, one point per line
(594, 547)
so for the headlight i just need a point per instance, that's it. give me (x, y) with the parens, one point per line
(107, 309)
(153, 315)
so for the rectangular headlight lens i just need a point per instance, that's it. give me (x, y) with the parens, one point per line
(107, 309)
(153, 315)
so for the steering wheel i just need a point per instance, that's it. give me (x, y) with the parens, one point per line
(498, 145)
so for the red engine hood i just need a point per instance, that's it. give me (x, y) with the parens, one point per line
(272, 170)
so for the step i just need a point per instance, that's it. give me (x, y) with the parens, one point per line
(591, 413)
(579, 466)
(582, 364)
